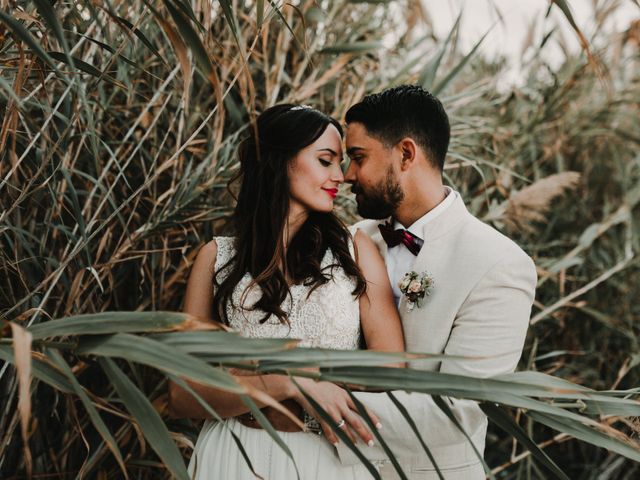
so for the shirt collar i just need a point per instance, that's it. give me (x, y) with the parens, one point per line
(417, 227)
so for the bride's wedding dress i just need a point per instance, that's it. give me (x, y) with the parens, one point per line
(326, 318)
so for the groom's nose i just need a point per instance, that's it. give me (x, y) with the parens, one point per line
(350, 174)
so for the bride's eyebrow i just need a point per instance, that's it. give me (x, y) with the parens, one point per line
(332, 152)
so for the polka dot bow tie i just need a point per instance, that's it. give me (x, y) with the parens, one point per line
(395, 237)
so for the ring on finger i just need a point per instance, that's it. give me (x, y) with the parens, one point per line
(341, 423)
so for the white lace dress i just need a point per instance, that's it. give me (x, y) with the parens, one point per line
(328, 318)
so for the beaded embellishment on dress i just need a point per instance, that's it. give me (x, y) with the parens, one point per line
(327, 318)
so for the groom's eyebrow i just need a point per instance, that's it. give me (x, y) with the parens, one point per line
(354, 150)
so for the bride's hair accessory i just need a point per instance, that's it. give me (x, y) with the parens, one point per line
(301, 107)
(415, 287)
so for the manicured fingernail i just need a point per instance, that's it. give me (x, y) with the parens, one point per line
(378, 425)
(370, 443)
(335, 444)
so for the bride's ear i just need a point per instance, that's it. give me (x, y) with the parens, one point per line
(408, 150)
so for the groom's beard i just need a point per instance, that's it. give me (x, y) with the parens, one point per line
(380, 201)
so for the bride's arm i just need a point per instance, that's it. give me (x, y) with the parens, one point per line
(379, 316)
(198, 301)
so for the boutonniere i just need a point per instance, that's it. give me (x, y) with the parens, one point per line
(415, 287)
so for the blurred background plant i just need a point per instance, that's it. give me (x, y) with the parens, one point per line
(117, 140)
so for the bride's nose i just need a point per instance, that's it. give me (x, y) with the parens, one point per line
(337, 175)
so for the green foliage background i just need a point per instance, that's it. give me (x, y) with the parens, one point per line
(119, 127)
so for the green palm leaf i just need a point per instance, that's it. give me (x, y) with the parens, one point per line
(451, 416)
(340, 434)
(95, 417)
(109, 322)
(363, 413)
(142, 412)
(154, 354)
(504, 421)
(414, 427)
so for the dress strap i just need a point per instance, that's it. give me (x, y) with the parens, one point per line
(225, 249)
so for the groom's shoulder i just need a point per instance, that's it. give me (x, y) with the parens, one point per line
(491, 243)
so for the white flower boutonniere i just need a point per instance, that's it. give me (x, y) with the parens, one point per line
(416, 286)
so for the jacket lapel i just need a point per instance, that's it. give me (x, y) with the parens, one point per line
(433, 231)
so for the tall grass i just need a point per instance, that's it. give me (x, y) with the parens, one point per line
(119, 127)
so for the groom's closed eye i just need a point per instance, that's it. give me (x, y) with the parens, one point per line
(356, 154)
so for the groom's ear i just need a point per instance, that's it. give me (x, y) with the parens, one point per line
(409, 150)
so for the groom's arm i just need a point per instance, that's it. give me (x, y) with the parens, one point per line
(492, 325)
(492, 322)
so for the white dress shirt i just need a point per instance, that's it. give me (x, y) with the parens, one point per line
(399, 259)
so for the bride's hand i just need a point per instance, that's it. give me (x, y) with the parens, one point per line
(339, 405)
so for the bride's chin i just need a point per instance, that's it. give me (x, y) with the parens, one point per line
(327, 210)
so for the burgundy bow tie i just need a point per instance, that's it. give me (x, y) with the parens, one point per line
(396, 237)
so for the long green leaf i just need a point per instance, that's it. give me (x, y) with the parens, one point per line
(353, 47)
(86, 68)
(504, 421)
(203, 403)
(278, 13)
(566, 10)
(221, 342)
(161, 357)
(341, 435)
(587, 434)
(266, 425)
(428, 74)
(191, 39)
(414, 427)
(471, 387)
(75, 203)
(24, 35)
(449, 413)
(40, 370)
(119, 56)
(108, 322)
(367, 418)
(143, 413)
(94, 416)
(46, 11)
(259, 12)
(230, 17)
(215, 415)
(10, 93)
(138, 33)
(442, 84)
(268, 354)
(186, 8)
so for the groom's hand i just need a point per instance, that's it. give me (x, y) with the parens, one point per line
(338, 404)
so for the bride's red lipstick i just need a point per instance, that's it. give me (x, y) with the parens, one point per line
(331, 191)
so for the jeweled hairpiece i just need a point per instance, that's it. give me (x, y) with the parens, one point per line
(301, 107)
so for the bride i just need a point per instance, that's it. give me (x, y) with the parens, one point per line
(292, 270)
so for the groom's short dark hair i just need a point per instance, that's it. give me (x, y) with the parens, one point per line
(405, 111)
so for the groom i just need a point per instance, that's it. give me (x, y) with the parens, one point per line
(480, 302)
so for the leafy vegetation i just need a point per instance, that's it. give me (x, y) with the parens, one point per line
(117, 140)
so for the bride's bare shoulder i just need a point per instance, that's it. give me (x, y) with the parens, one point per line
(366, 248)
(206, 256)
(199, 292)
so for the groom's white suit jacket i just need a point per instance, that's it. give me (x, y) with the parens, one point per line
(479, 306)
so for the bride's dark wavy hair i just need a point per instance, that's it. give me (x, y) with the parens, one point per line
(261, 214)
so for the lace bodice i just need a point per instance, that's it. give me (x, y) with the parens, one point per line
(328, 318)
